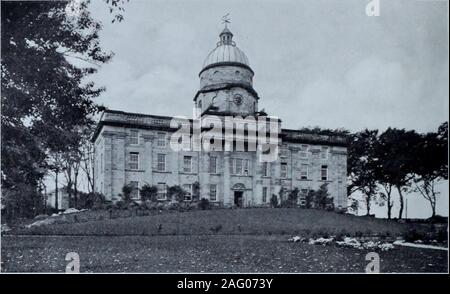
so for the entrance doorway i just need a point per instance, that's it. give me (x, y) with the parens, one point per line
(238, 198)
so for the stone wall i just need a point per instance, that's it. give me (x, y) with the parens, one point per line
(113, 145)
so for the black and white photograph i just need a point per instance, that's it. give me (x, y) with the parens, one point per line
(224, 137)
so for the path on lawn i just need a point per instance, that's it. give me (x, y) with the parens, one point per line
(201, 253)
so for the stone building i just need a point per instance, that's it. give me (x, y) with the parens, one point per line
(134, 148)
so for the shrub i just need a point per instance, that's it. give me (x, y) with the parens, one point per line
(149, 192)
(92, 200)
(126, 193)
(274, 201)
(204, 204)
(176, 193)
(413, 235)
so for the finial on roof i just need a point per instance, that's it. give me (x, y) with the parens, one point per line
(226, 36)
(226, 19)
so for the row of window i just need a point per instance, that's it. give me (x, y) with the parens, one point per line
(162, 191)
(161, 142)
(238, 166)
(265, 193)
(160, 138)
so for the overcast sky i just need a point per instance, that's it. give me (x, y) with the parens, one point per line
(316, 63)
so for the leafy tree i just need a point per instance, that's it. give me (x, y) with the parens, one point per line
(362, 165)
(176, 193)
(431, 164)
(46, 95)
(195, 191)
(322, 199)
(126, 193)
(397, 153)
(149, 192)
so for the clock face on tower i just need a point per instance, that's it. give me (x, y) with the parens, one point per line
(238, 99)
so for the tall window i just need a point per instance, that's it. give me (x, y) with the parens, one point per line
(161, 164)
(303, 195)
(324, 152)
(266, 169)
(188, 189)
(240, 166)
(213, 164)
(135, 189)
(134, 137)
(264, 195)
(324, 173)
(134, 160)
(246, 167)
(304, 151)
(284, 170)
(161, 141)
(187, 164)
(213, 192)
(304, 172)
(162, 191)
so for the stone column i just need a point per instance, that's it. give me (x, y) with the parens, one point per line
(148, 159)
(226, 180)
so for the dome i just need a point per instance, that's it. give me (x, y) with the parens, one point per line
(226, 51)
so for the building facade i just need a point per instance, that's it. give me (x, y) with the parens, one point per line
(135, 149)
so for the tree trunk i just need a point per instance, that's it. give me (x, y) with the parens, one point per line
(368, 205)
(56, 191)
(389, 206)
(400, 212)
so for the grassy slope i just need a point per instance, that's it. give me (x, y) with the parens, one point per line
(203, 254)
(239, 221)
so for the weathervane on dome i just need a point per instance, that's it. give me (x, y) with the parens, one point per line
(226, 19)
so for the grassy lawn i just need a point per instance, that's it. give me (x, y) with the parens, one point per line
(262, 221)
(218, 253)
(240, 240)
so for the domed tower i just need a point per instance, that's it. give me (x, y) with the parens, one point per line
(226, 81)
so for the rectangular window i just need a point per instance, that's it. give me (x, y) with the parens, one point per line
(324, 173)
(213, 164)
(213, 192)
(246, 167)
(266, 169)
(161, 164)
(161, 141)
(187, 164)
(304, 151)
(238, 166)
(134, 137)
(134, 160)
(304, 172)
(284, 170)
(188, 189)
(162, 191)
(324, 152)
(135, 190)
(303, 195)
(264, 195)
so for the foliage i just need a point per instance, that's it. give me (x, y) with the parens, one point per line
(126, 193)
(292, 198)
(195, 191)
(204, 204)
(431, 165)
(149, 192)
(396, 154)
(91, 200)
(22, 202)
(322, 199)
(176, 193)
(362, 165)
(274, 201)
